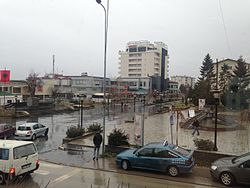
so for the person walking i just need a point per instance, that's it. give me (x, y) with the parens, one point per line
(97, 140)
(196, 126)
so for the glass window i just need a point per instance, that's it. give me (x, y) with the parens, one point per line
(4, 154)
(141, 49)
(181, 151)
(132, 49)
(147, 152)
(246, 164)
(23, 128)
(24, 151)
(35, 126)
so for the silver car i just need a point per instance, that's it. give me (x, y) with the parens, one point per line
(231, 170)
(30, 131)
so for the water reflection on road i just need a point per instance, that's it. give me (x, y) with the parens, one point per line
(156, 129)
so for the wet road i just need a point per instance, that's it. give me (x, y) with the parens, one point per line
(58, 176)
(156, 129)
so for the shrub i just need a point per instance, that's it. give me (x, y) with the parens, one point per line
(94, 127)
(202, 144)
(74, 131)
(118, 138)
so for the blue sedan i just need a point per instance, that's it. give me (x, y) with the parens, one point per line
(162, 157)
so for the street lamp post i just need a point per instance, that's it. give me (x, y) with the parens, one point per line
(216, 97)
(104, 72)
(134, 101)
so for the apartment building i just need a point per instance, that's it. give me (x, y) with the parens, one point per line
(144, 59)
(187, 81)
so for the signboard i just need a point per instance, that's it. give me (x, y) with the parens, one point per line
(191, 113)
(202, 103)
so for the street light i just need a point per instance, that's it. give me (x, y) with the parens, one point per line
(104, 72)
(216, 97)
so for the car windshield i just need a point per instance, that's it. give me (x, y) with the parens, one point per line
(241, 158)
(23, 128)
(181, 151)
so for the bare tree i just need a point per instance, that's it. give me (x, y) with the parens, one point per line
(33, 82)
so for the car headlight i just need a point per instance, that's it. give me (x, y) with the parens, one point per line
(213, 167)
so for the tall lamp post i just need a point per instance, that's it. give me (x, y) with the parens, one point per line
(104, 72)
(216, 97)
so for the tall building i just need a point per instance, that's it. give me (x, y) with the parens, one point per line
(142, 59)
(184, 80)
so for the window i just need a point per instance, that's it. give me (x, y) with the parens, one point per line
(35, 126)
(132, 49)
(246, 164)
(164, 153)
(4, 154)
(147, 152)
(141, 49)
(23, 128)
(181, 151)
(24, 151)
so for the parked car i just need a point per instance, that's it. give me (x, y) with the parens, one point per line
(30, 131)
(17, 158)
(162, 157)
(6, 131)
(231, 170)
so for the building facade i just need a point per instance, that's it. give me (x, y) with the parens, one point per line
(142, 59)
(187, 81)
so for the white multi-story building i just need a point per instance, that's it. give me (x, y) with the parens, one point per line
(184, 80)
(143, 59)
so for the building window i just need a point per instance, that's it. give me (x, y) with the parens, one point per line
(141, 49)
(132, 49)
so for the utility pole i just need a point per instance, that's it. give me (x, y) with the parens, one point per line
(53, 66)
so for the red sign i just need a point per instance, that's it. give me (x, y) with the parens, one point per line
(4, 75)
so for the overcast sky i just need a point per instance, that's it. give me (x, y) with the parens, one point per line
(31, 31)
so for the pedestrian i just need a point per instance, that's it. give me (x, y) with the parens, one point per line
(97, 140)
(196, 126)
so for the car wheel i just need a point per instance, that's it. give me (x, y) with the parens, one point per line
(2, 178)
(125, 165)
(227, 178)
(33, 137)
(173, 171)
(46, 132)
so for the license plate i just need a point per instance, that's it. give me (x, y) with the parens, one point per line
(26, 166)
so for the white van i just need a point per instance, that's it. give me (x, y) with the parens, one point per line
(17, 158)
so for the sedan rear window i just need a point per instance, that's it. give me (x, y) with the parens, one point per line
(181, 151)
(4, 154)
(23, 128)
(24, 151)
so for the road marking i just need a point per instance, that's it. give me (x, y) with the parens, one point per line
(64, 177)
(50, 165)
(42, 172)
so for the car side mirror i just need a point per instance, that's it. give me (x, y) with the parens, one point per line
(138, 154)
(241, 166)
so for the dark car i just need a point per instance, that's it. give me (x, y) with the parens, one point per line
(231, 170)
(6, 131)
(162, 157)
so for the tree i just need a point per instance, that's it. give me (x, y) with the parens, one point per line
(241, 78)
(33, 82)
(224, 77)
(203, 86)
(206, 68)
